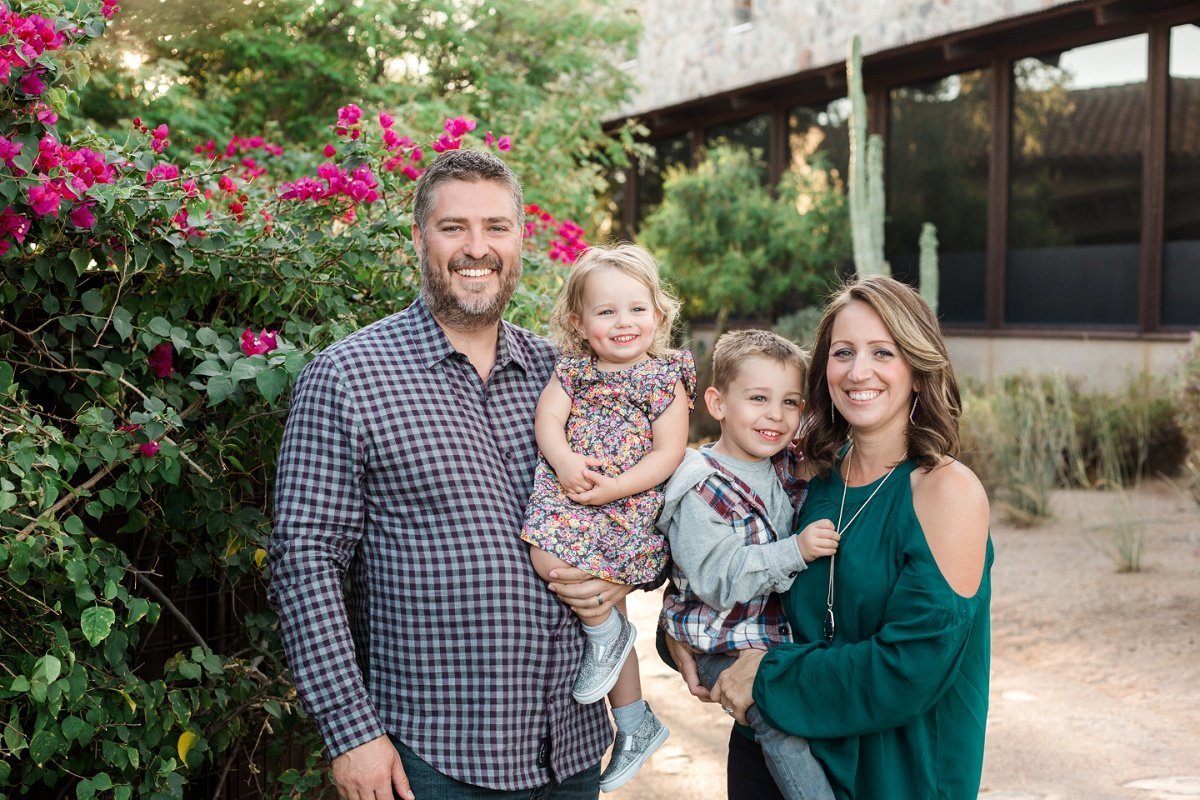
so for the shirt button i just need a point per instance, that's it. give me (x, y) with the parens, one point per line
(508, 455)
(793, 574)
(783, 629)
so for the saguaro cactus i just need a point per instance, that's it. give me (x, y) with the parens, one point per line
(866, 193)
(929, 265)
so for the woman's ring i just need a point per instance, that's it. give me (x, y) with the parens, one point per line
(599, 600)
(727, 710)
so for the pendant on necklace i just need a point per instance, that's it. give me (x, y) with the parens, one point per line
(829, 626)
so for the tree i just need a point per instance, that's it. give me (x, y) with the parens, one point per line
(731, 248)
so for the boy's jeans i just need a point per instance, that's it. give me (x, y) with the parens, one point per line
(797, 773)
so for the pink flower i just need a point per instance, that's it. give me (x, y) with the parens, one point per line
(129, 427)
(158, 138)
(445, 143)
(504, 144)
(44, 199)
(162, 360)
(459, 127)
(347, 117)
(8, 151)
(44, 113)
(410, 172)
(13, 223)
(149, 449)
(330, 151)
(488, 139)
(82, 217)
(386, 120)
(31, 83)
(256, 344)
(225, 184)
(110, 9)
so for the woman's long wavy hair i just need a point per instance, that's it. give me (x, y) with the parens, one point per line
(933, 432)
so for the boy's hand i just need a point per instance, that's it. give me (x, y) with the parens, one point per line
(574, 472)
(818, 540)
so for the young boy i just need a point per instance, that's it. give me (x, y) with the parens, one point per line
(729, 509)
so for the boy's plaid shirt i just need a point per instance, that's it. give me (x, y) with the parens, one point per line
(759, 623)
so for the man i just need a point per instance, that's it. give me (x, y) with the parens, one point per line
(406, 464)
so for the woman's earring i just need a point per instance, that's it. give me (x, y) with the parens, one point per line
(912, 414)
(832, 419)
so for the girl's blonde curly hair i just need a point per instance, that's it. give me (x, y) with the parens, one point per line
(630, 259)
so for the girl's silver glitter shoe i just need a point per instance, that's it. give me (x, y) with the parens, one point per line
(601, 664)
(632, 751)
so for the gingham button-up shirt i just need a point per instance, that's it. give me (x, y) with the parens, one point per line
(404, 472)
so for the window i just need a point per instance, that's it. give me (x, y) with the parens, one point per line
(754, 134)
(651, 173)
(937, 171)
(1075, 193)
(818, 139)
(1180, 305)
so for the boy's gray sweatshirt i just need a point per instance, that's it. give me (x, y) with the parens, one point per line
(721, 569)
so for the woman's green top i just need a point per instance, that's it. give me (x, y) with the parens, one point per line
(896, 705)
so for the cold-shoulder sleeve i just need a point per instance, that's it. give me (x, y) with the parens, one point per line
(817, 690)
(668, 372)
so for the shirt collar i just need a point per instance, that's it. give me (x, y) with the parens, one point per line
(433, 346)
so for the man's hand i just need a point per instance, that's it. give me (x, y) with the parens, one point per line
(370, 772)
(588, 596)
(685, 658)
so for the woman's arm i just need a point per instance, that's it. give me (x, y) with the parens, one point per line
(670, 433)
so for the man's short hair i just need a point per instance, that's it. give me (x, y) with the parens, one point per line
(734, 347)
(465, 165)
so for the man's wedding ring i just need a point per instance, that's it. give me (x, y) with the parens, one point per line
(599, 600)
(727, 710)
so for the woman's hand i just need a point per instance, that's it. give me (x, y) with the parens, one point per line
(734, 688)
(685, 658)
(588, 596)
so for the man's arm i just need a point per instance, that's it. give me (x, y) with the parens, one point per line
(319, 518)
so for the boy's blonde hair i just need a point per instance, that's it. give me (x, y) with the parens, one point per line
(630, 259)
(734, 347)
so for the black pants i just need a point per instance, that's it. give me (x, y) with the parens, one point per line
(746, 774)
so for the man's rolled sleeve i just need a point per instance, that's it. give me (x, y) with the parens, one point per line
(319, 520)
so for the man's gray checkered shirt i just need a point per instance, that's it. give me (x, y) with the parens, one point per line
(404, 472)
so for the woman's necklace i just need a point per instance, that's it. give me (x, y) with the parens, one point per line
(841, 529)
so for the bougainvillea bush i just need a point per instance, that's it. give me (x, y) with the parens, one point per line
(158, 299)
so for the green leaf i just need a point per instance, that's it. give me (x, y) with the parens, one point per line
(81, 259)
(75, 728)
(96, 623)
(19, 684)
(154, 405)
(14, 738)
(160, 327)
(271, 383)
(207, 369)
(92, 301)
(123, 791)
(207, 337)
(44, 745)
(85, 790)
(47, 669)
(245, 368)
(122, 322)
(219, 388)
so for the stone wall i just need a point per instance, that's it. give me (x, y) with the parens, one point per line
(695, 48)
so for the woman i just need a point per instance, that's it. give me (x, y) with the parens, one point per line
(888, 676)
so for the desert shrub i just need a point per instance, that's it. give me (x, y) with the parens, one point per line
(1127, 436)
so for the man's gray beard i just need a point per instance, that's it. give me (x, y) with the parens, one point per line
(460, 312)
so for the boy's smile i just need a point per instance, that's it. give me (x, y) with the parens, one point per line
(759, 410)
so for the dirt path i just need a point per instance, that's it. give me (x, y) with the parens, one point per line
(1095, 674)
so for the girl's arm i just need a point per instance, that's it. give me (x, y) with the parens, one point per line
(550, 429)
(670, 433)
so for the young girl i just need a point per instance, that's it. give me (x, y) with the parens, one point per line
(612, 426)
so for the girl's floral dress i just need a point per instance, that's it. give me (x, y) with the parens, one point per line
(611, 415)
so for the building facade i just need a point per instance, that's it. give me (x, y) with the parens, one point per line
(1056, 146)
